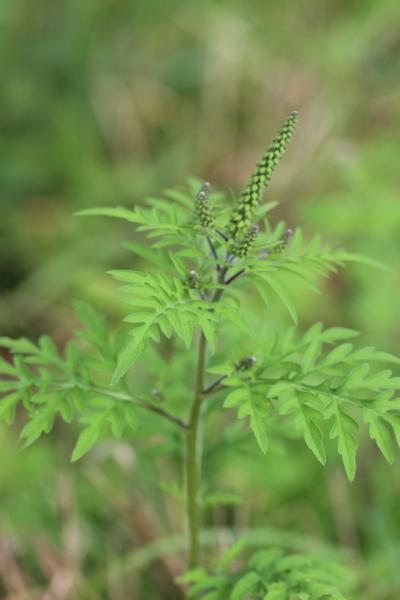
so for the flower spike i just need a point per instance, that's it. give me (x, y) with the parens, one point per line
(250, 196)
(247, 242)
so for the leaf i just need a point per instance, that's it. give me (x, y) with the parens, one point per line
(7, 385)
(24, 373)
(117, 424)
(315, 332)
(180, 196)
(379, 432)
(73, 357)
(49, 350)
(20, 346)
(356, 377)
(301, 273)
(385, 357)
(345, 429)
(333, 334)
(7, 407)
(234, 398)
(248, 404)
(66, 409)
(382, 380)
(192, 576)
(279, 388)
(87, 439)
(223, 369)
(257, 416)
(246, 585)
(277, 591)
(127, 276)
(233, 552)
(178, 264)
(130, 415)
(6, 368)
(263, 293)
(310, 355)
(139, 317)
(118, 212)
(283, 295)
(146, 252)
(165, 326)
(41, 422)
(234, 316)
(181, 326)
(265, 559)
(128, 357)
(258, 425)
(338, 354)
(312, 434)
(366, 260)
(90, 318)
(168, 308)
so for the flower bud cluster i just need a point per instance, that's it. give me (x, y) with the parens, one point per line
(203, 212)
(282, 243)
(247, 363)
(193, 280)
(245, 245)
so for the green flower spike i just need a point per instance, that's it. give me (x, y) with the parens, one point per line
(203, 212)
(250, 196)
(246, 244)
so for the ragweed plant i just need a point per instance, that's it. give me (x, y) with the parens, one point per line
(202, 256)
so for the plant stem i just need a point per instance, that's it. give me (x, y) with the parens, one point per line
(194, 443)
(235, 276)
(210, 388)
(126, 398)
(193, 458)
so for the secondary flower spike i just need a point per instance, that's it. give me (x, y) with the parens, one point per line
(246, 244)
(250, 196)
(203, 212)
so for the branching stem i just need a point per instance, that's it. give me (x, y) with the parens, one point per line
(128, 398)
(211, 388)
(222, 235)
(235, 276)
(213, 251)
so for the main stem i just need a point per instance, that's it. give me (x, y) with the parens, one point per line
(193, 443)
(193, 458)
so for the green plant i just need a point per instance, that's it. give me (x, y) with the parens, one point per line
(204, 260)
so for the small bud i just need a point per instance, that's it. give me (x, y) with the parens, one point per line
(283, 242)
(203, 212)
(280, 245)
(193, 280)
(157, 395)
(247, 363)
(287, 235)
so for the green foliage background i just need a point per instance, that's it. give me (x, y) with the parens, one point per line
(107, 102)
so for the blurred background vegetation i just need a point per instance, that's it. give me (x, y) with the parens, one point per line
(103, 103)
